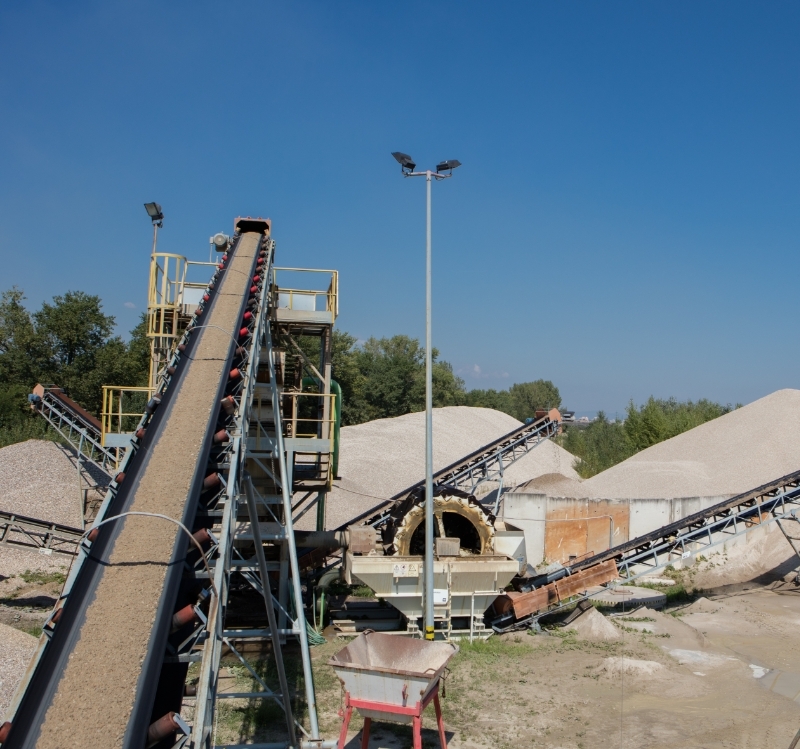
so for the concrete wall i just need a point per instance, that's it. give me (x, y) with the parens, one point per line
(560, 529)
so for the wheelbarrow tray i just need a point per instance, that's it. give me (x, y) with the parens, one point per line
(397, 672)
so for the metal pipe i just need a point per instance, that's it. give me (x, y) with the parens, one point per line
(429, 622)
(273, 624)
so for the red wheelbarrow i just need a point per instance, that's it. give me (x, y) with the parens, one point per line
(392, 678)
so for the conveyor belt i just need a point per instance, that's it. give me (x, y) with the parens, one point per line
(94, 684)
(484, 464)
(77, 426)
(778, 500)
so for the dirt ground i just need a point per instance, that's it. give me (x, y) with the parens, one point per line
(715, 669)
(719, 668)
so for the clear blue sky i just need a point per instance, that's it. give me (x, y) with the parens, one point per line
(625, 221)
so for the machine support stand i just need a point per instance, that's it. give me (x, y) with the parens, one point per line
(415, 712)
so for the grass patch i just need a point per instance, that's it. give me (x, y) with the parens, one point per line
(35, 630)
(43, 578)
(362, 591)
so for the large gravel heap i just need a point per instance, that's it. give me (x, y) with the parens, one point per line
(15, 652)
(382, 457)
(732, 454)
(39, 478)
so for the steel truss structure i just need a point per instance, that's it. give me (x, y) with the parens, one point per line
(488, 463)
(84, 435)
(19, 530)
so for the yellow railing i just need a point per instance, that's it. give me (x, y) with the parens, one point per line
(307, 300)
(122, 408)
(171, 302)
(301, 415)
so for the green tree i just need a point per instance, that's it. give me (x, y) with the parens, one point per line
(528, 397)
(659, 420)
(599, 445)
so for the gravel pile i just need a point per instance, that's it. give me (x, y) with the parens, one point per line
(382, 457)
(16, 649)
(39, 478)
(724, 457)
(592, 625)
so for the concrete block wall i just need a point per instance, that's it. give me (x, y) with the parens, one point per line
(560, 529)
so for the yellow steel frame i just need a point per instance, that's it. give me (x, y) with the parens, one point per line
(325, 428)
(168, 314)
(112, 415)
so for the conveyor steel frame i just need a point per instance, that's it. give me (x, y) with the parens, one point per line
(87, 441)
(42, 676)
(654, 551)
(468, 473)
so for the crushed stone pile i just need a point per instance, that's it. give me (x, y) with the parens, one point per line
(16, 649)
(39, 478)
(732, 454)
(382, 457)
(592, 625)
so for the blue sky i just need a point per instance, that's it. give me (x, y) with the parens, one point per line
(625, 221)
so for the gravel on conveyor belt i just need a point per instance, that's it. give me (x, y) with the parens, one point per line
(382, 457)
(16, 649)
(98, 688)
(39, 478)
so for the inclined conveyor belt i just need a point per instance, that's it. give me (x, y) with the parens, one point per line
(97, 679)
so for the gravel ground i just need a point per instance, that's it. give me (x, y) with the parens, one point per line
(380, 458)
(16, 649)
(39, 478)
(724, 457)
(14, 560)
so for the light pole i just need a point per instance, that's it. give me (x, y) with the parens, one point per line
(157, 217)
(407, 167)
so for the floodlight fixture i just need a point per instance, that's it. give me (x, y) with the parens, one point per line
(405, 161)
(154, 211)
(448, 165)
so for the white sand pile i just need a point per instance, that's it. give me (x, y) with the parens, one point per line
(592, 625)
(727, 456)
(732, 454)
(764, 551)
(16, 649)
(554, 485)
(39, 478)
(616, 666)
(382, 457)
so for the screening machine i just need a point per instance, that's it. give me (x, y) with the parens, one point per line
(228, 436)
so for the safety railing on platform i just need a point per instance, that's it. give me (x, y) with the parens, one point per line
(302, 415)
(123, 408)
(325, 299)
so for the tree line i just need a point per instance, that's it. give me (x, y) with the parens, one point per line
(70, 342)
(605, 443)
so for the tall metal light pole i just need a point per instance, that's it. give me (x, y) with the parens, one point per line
(407, 166)
(157, 217)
